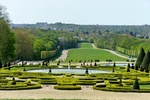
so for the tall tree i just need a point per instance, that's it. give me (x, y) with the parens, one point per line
(146, 61)
(23, 45)
(3, 14)
(140, 58)
(6, 42)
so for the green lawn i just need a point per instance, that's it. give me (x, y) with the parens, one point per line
(91, 54)
(85, 45)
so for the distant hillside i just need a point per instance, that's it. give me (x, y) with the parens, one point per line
(139, 30)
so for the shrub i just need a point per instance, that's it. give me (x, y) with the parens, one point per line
(53, 82)
(146, 61)
(140, 58)
(11, 83)
(95, 64)
(136, 84)
(86, 72)
(67, 87)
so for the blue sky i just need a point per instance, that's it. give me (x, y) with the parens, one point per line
(102, 12)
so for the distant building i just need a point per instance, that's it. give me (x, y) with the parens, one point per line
(42, 25)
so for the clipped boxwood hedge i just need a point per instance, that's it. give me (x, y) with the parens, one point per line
(53, 82)
(122, 90)
(67, 87)
(19, 87)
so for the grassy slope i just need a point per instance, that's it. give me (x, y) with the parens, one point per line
(86, 52)
(85, 45)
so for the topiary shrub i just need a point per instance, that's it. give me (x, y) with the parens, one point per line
(67, 87)
(140, 58)
(5, 65)
(9, 64)
(95, 64)
(86, 72)
(136, 84)
(128, 69)
(146, 61)
(128, 65)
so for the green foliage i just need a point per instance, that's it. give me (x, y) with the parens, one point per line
(85, 45)
(123, 43)
(6, 42)
(1, 64)
(49, 54)
(140, 59)
(136, 84)
(146, 61)
(67, 87)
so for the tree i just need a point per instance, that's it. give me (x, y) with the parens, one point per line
(140, 58)
(23, 44)
(136, 84)
(146, 61)
(7, 41)
(38, 47)
(136, 67)
(3, 14)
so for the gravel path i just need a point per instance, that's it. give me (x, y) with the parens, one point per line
(63, 56)
(113, 52)
(85, 93)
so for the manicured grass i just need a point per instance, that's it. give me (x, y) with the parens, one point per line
(144, 86)
(92, 54)
(85, 45)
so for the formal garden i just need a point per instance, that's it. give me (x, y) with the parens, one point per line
(131, 78)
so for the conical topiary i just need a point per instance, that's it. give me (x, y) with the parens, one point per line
(128, 65)
(50, 70)
(95, 64)
(146, 61)
(114, 64)
(140, 58)
(113, 70)
(136, 84)
(128, 69)
(86, 72)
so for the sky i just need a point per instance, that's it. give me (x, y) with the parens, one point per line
(102, 12)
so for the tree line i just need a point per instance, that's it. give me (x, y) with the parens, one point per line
(121, 42)
(27, 44)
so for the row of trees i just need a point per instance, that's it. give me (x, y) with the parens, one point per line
(123, 43)
(30, 45)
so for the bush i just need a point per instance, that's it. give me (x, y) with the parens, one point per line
(19, 87)
(54, 82)
(67, 87)
(136, 84)
(11, 83)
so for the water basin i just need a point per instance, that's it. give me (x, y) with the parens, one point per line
(73, 71)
